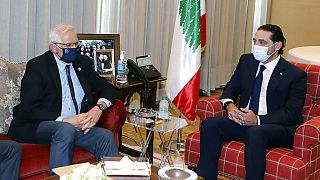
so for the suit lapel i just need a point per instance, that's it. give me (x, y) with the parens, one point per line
(251, 70)
(277, 76)
(82, 77)
(54, 73)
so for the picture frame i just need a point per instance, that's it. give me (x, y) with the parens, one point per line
(90, 43)
(104, 62)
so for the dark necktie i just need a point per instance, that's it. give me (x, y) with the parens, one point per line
(255, 93)
(71, 88)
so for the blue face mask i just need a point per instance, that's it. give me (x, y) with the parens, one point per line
(70, 54)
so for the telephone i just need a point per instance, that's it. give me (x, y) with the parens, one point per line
(135, 70)
(143, 68)
(143, 73)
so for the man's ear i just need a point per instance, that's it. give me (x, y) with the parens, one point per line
(53, 48)
(279, 45)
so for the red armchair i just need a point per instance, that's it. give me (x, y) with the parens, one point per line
(301, 162)
(35, 157)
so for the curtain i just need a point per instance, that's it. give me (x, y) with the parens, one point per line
(127, 18)
(25, 24)
(145, 28)
(229, 34)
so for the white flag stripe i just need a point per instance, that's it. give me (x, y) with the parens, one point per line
(183, 78)
(203, 7)
(182, 58)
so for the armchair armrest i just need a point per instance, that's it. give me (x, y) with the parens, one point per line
(210, 107)
(306, 138)
(114, 117)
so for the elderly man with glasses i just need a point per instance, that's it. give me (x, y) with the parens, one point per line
(56, 105)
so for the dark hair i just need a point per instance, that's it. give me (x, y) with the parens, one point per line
(276, 36)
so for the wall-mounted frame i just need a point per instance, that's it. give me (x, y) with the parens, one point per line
(90, 43)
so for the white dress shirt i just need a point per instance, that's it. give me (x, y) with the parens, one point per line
(266, 77)
(263, 110)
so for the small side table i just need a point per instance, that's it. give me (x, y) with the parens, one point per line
(125, 91)
(161, 126)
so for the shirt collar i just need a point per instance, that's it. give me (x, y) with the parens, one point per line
(271, 65)
(61, 64)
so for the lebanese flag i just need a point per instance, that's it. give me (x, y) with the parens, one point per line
(183, 78)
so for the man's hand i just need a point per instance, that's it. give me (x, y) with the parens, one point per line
(77, 120)
(92, 118)
(233, 113)
(85, 121)
(248, 117)
(242, 116)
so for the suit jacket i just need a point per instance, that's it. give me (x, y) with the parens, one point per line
(41, 94)
(286, 91)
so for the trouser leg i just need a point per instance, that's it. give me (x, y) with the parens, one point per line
(10, 158)
(98, 141)
(257, 139)
(214, 132)
(60, 136)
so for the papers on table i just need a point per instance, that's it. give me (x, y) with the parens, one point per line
(126, 167)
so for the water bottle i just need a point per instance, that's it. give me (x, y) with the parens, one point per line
(121, 69)
(164, 108)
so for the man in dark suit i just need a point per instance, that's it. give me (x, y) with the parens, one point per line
(10, 158)
(56, 105)
(271, 94)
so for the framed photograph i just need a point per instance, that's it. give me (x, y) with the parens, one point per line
(92, 45)
(104, 62)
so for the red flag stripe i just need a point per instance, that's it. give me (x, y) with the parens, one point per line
(187, 98)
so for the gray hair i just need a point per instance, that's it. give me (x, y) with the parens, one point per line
(54, 36)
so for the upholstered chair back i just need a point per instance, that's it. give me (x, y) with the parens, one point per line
(312, 102)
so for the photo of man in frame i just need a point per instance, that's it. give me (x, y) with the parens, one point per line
(104, 62)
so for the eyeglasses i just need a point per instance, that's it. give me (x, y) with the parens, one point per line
(69, 45)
